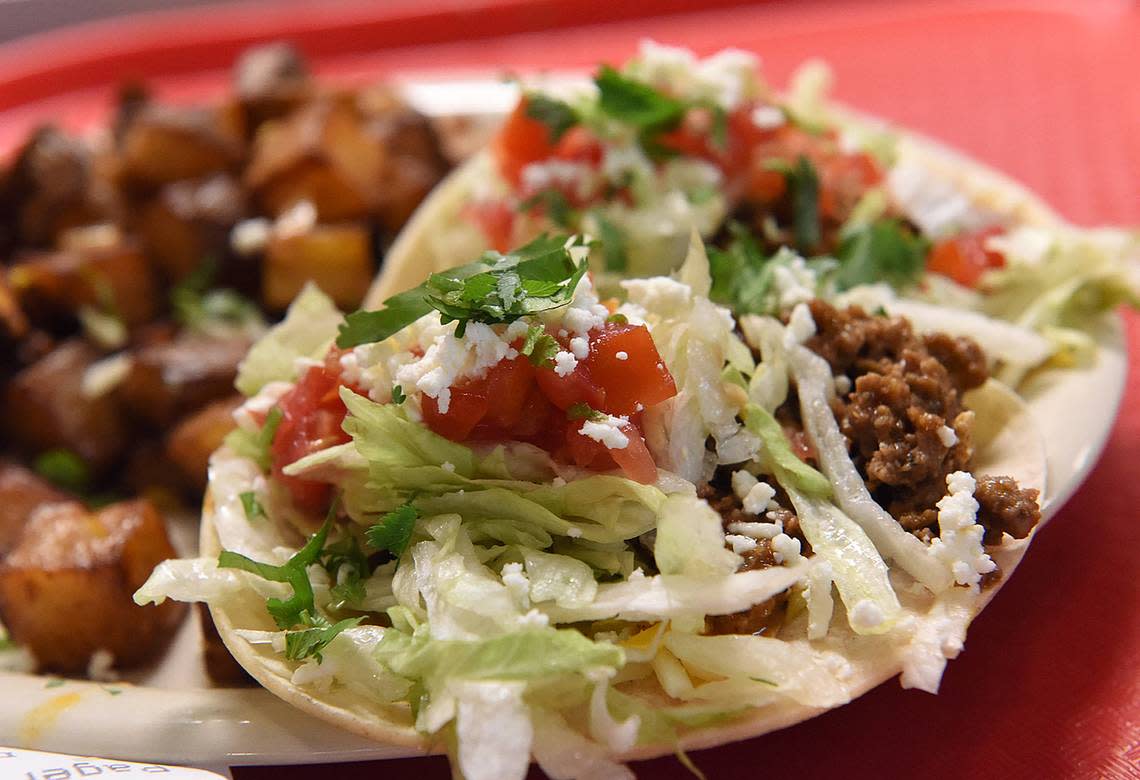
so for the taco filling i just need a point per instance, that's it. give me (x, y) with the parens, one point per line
(514, 517)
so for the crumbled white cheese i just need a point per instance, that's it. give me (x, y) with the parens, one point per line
(801, 326)
(448, 466)
(564, 363)
(959, 542)
(517, 584)
(566, 175)
(250, 236)
(448, 359)
(103, 376)
(580, 347)
(658, 294)
(100, 667)
(785, 549)
(842, 384)
(948, 436)
(865, 615)
(534, 619)
(768, 117)
(726, 78)
(743, 482)
(622, 355)
(740, 543)
(250, 415)
(757, 530)
(758, 497)
(607, 431)
(296, 220)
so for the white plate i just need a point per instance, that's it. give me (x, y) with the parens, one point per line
(172, 716)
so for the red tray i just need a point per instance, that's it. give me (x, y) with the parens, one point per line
(1049, 685)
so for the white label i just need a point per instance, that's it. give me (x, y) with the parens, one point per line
(17, 764)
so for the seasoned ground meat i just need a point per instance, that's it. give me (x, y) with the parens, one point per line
(721, 498)
(905, 392)
(1005, 507)
(763, 618)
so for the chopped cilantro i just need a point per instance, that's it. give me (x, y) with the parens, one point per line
(252, 507)
(213, 310)
(394, 530)
(883, 251)
(554, 204)
(557, 115)
(614, 246)
(762, 680)
(291, 611)
(265, 436)
(63, 468)
(636, 103)
(742, 277)
(617, 318)
(719, 126)
(311, 641)
(539, 346)
(348, 567)
(398, 396)
(582, 411)
(55, 682)
(497, 288)
(803, 184)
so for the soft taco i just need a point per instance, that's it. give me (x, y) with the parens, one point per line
(505, 516)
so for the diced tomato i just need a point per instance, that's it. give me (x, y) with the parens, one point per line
(311, 417)
(843, 180)
(508, 384)
(965, 258)
(520, 142)
(634, 459)
(579, 145)
(625, 364)
(467, 406)
(497, 221)
(694, 136)
(577, 387)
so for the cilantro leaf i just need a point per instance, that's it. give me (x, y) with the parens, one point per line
(252, 507)
(557, 115)
(554, 204)
(394, 530)
(583, 411)
(803, 184)
(539, 347)
(291, 611)
(348, 567)
(311, 641)
(884, 250)
(265, 437)
(742, 277)
(614, 246)
(636, 103)
(63, 468)
(497, 288)
(398, 396)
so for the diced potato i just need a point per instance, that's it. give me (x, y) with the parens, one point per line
(189, 221)
(21, 492)
(322, 153)
(66, 588)
(118, 279)
(162, 144)
(53, 188)
(337, 257)
(271, 81)
(191, 443)
(45, 408)
(220, 665)
(169, 380)
(13, 323)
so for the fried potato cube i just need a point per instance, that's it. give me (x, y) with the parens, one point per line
(162, 144)
(21, 492)
(191, 443)
(13, 323)
(337, 257)
(45, 407)
(221, 667)
(190, 220)
(323, 153)
(65, 590)
(271, 81)
(169, 380)
(116, 278)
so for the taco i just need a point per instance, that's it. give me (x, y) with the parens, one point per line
(563, 527)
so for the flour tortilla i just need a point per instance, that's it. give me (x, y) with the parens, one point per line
(1007, 439)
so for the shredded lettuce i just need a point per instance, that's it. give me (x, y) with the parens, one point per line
(308, 328)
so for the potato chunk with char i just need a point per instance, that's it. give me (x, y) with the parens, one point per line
(271, 81)
(166, 381)
(162, 144)
(65, 590)
(337, 257)
(21, 492)
(190, 445)
(46, 408)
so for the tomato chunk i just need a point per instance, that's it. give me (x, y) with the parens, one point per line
(508, 384)
(467, 406)
(965, 258)
(633, 459)
(311, 417)
(497, 221)
(624, 362)
(520, 142)
(577, 387)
